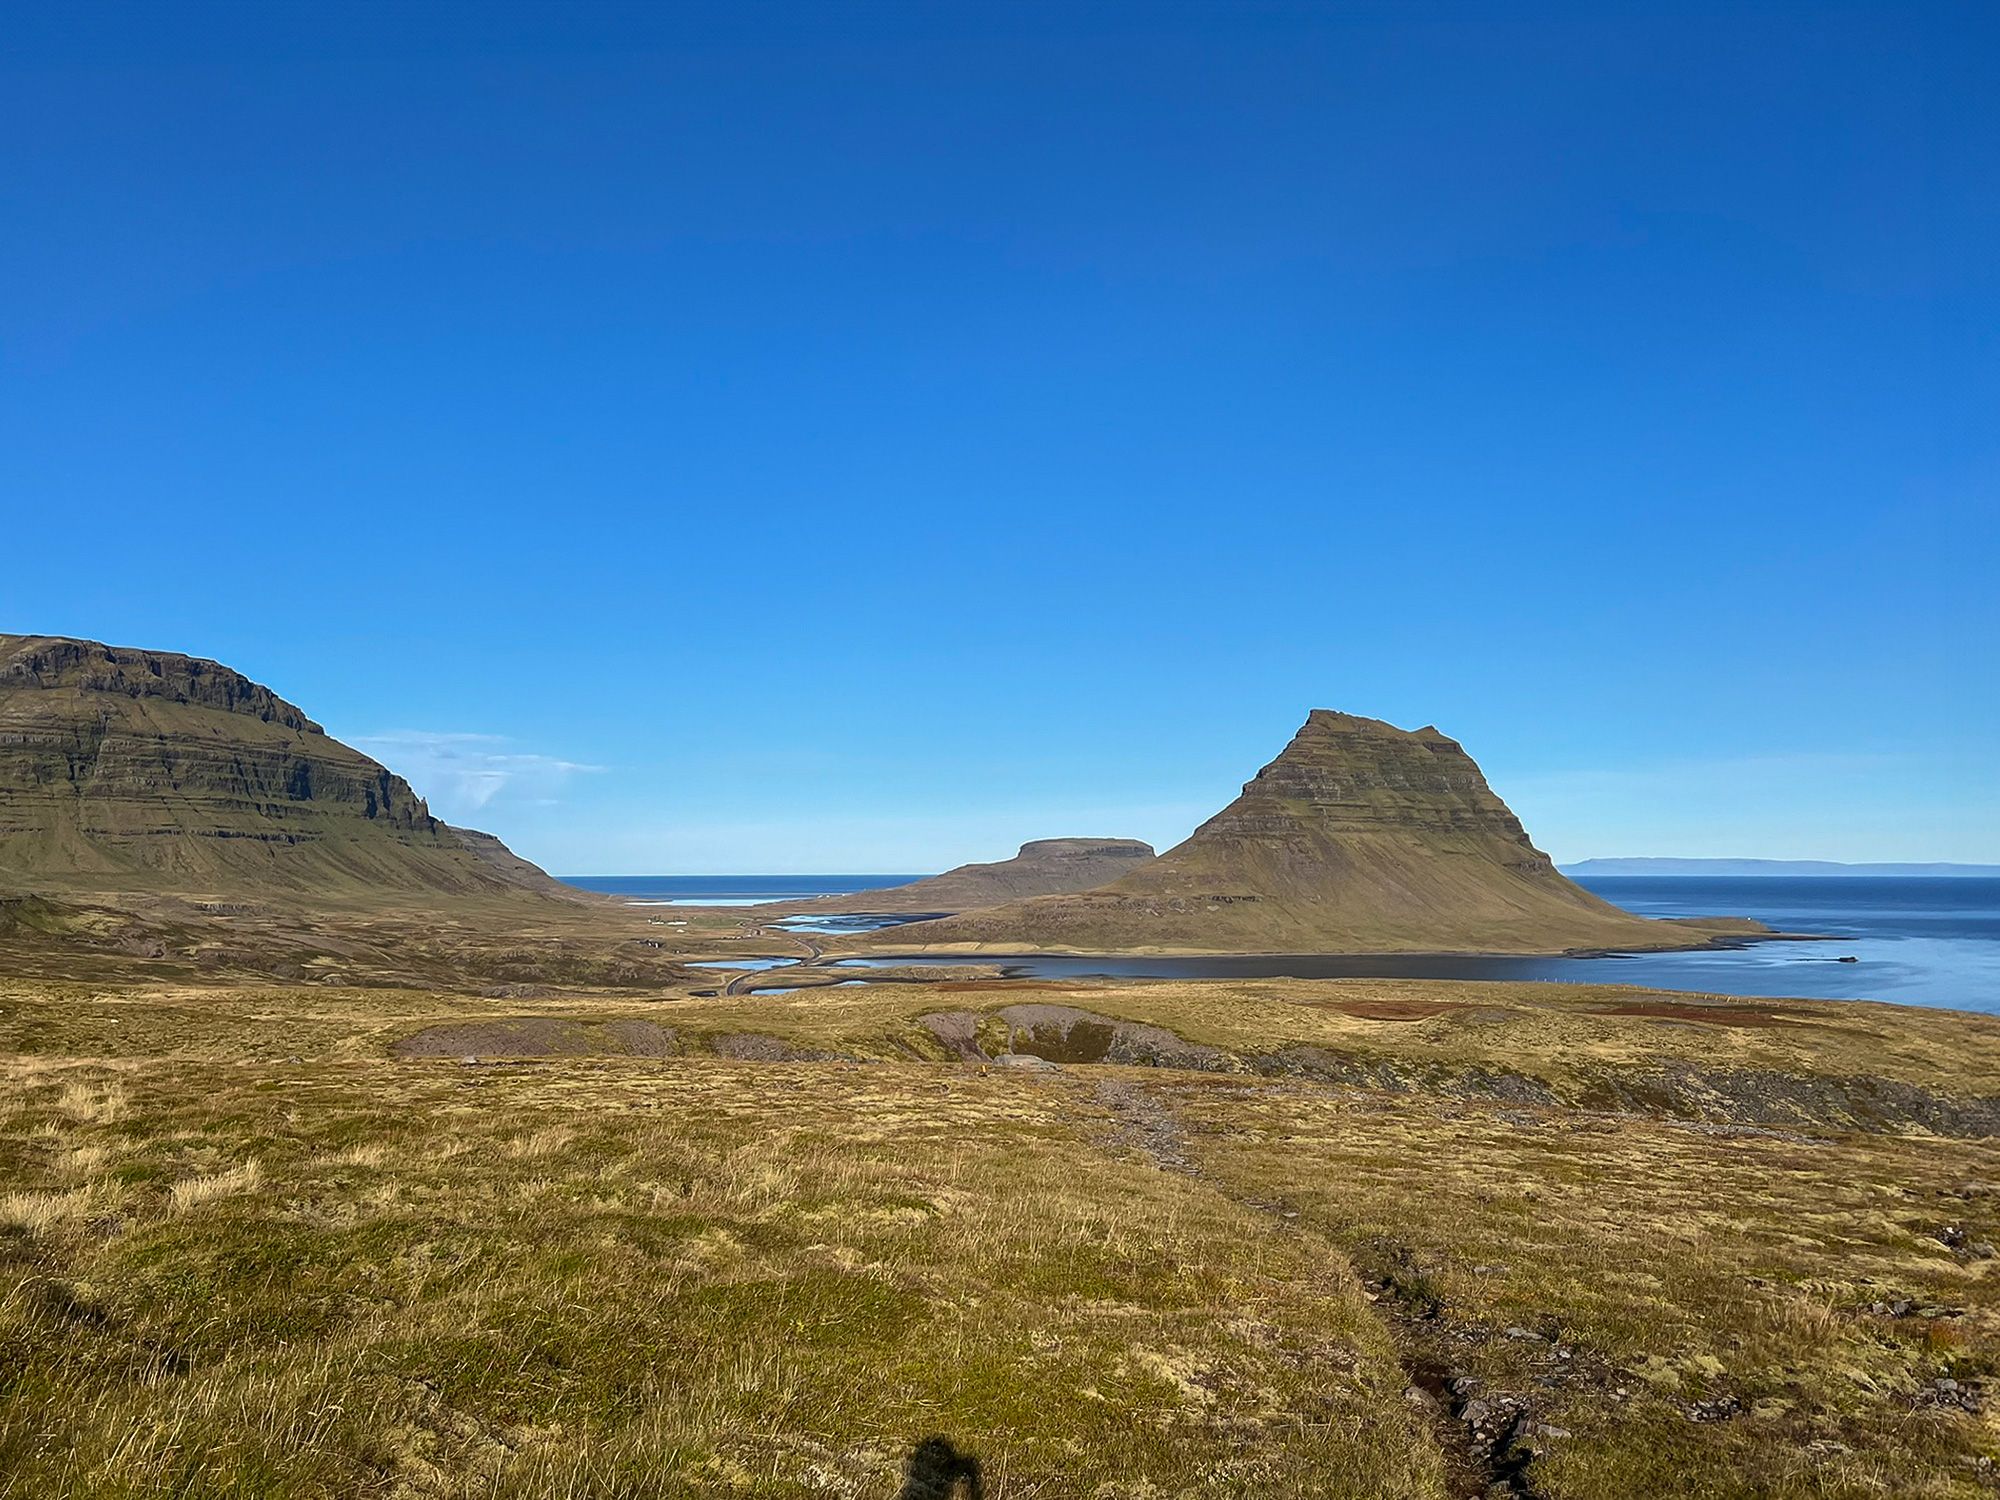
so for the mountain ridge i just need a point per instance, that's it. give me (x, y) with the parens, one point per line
(1359, 837)
(123, 765)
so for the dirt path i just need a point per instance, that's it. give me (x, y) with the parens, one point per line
(1146, 1125)
(1483, 1441)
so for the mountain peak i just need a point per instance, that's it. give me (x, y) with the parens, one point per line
(1347, 773)
(57, 661)
(1359, 837)
(121, 766)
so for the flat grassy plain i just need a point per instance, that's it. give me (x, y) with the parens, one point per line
(1342, 1238)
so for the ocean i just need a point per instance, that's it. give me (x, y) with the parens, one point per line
(731, 890)
(1915, 940)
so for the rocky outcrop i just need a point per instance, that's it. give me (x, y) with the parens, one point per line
(125, 767)
(1700, 1093)
(1043, 867)
(1359, 838)
(55, 663)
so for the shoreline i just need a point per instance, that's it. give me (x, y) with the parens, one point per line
(1721, 943)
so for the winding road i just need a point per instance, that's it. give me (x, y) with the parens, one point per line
(741, 984)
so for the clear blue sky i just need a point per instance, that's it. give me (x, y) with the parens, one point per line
(831, 437)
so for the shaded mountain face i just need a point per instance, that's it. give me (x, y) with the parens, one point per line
(1359, 838)
(149, 768)
(1042, 867)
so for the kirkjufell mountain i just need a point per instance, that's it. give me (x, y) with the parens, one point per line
(1359, 838)
(149, 769)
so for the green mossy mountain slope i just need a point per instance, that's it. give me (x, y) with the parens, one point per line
(123, 767)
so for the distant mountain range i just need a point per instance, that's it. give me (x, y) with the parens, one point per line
(1765, 867)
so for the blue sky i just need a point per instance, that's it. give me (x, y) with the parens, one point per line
(863, 437)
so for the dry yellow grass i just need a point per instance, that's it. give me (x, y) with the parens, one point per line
(46, 1211)
(731, 1278)
(248, 1252)
(192, 1192)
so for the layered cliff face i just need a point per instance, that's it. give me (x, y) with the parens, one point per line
(1359, 838)
(124, 767)
(1042, 867)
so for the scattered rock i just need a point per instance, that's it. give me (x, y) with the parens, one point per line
(1948, 1394)
(1719, 1409)
(1144, 1122)
(1026, 1062)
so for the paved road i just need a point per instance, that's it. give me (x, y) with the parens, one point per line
(740, 985)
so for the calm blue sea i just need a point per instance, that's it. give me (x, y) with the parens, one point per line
(731, 890)
(1916, 940)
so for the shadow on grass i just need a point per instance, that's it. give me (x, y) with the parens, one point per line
(938, 1471)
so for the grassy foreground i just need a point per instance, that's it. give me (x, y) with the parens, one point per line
(1375, 1240)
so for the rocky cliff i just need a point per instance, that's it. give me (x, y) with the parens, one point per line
(1359, 838)
(127, 767)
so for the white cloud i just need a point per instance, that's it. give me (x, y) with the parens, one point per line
(462, 773)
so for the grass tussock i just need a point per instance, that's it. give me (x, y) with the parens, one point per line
(193, 1192)
(44, 1212)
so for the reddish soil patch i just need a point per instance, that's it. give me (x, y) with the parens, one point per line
(1392, 1010)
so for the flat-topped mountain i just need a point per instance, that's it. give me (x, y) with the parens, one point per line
(1043, 867)
(1359, 838)
(151, 769)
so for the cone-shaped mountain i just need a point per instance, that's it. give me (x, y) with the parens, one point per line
(1359, 838)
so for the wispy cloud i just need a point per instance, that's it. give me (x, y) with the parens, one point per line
(462, 773)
